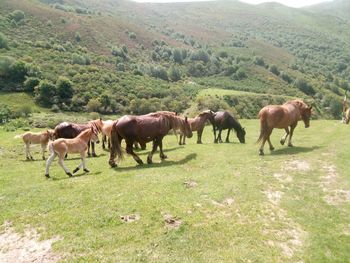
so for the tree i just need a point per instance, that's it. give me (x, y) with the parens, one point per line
(17, 15)
(303, 86)
(45, 93)
(93, 105)
(3, 41)
(174, 74)
(105, 101)
(65, 89)
(30, 83)
(274, 70)
(18, 71)
(177, 56)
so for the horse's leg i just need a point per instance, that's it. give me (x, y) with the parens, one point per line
(48, 163)
(270, 144)
(129, 150)
(43, 149)
(82, 164)
(27, 151)
(88, 151)
(219, 135)
(93, 149)
(180, 141)
(265, 138)
(161, 154)
(284, 138)
(154, 149)
(214, 131)
(291, 134)
(103, 141)
(61, 163)
(228, 135)
(109, 142)
(199, 136)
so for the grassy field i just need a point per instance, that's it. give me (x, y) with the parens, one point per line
(227, 204)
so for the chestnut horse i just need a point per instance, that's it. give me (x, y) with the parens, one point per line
(282, 117)
(78, 144)
(224, 120)
(143, 129)
(41, 138)
(71, 130)
(198, 124)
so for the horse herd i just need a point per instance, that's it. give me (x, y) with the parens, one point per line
(69, 138)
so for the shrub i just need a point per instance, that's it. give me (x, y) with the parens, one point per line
(159, 72)
(132, 35)
(5, 113)
(223, 54)
(303, 86)
(274, 70)
(18, 71)
(286, 77)
(118, 52)
(200, 55)
(77, 36)
(120, 67)
(3, 41)
(30, 83)
(59, 48)
(177, 56)
(174, 74)
(5, 64)
(45, 93)
(24, 111)
(93, 105)
(258, 60)
(64, 88)
(239, 75)
(78, 59)
(17, 15)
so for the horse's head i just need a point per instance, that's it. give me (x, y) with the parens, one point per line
(305, 115)
(187, 129)
(94, 135)
(51, 134)
(241, 135)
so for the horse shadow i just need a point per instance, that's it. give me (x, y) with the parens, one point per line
(295, 150)
(147, 151)
(163, 163)
(75, 176)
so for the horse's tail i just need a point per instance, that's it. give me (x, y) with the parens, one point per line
(116, 149)
(18, 136)
(263, 126)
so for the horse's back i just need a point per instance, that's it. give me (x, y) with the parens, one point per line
(68, 130)
(278, 116)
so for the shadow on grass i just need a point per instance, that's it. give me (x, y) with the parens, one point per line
(295, 150)
(82, 173)
(164, 163)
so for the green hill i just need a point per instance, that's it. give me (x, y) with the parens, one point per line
(120, 56)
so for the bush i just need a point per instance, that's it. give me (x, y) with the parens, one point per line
(5, 113)
(45, 93)
(120, 67)
(77, 36)
(159, 72)
(30, 83)
(5, 65)
(274, 70)
(303, 86)
(64, 88)
(18, 71)
(3, 41)
(23, 111)
(174, 74)
(259, 61)
(200, 55)
(93, 105)
(286, 77)
(177, 56)
(239, 75)
(132, 35)
(118, 52)
(17, 15)
(78, 59)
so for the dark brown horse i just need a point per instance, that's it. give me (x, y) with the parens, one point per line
(224, 120)
(198, 124)
(143, 129)
(282, 117)
(69, 130)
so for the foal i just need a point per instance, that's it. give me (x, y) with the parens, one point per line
(41, 138)
(78, 144)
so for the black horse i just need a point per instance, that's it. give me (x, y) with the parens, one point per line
(224, 120)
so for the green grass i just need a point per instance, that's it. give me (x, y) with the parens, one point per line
(19, 99)
(223, 92)
(85, 210)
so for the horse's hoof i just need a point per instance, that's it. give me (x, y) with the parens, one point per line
(215, 141)
(272, 148)
(282, 142)
(261, 152)
(112, 164)
(86, 170)
(290, 145)
(47, 175)
(75, 170)
(149, 161)
(199, 142)
(27, 158)
(69, 174)
(227, 141)
(163, 157)
(94, 155)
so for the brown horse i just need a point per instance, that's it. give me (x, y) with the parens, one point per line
(224, 120)
(282, 117)
(347, 116)
(71, 130)
(79, 144)
(198, 124)
(143, 129)
(41, 138)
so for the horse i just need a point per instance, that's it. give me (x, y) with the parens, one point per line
(71, 130)
(41, 138)
(144, 129)
(347, 116)
(198, 124)
(224, 120)
(63, 146)
(282, 117)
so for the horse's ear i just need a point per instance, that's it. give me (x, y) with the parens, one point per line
(100, 119)
(176, 113)
(92, 129)
(310, 107)
(185, 119)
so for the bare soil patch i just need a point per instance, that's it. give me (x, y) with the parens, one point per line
(27, 247)
(172, 222)
(190, 184)
(130, 218)
(297, 165)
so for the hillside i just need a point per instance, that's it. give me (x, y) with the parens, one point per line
(120, 56)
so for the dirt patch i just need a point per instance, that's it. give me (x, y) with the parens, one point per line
(226, 202)
(283, 178)
(274, 196)
(329, 184)
(190, 184)
(26, 247)
(297, 165)
(130, 218)
(172, 222)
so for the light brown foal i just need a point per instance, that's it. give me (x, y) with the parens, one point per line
(78, 144)
(41, 138)
(347, 116)
(197, 124)
(282, 117)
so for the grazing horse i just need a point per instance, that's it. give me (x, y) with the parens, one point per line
(347, 116)
(282, 117)
(41, 138)
(198, 124)
(224, 120)
(71, 130)
(78, 144)
(143, 129)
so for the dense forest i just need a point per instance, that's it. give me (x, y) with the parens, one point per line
(117, 57)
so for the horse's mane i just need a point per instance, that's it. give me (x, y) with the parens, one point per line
(298, 103)
(96, 124)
